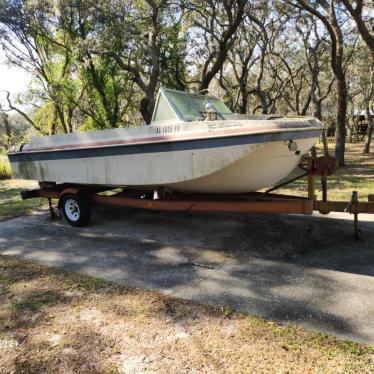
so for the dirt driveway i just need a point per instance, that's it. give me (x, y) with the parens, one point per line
(291, 269)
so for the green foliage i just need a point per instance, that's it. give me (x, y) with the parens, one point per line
(100, 66)
(5, 171)
(45, 116)
(104, 94)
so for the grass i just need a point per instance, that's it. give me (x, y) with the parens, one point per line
(36, 300)
(11, 204)
(5, 170)
(74, 323)
(357, 175)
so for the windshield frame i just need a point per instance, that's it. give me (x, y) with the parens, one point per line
(211, 99)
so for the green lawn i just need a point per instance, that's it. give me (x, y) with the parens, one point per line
(11, 204)
(5, 171)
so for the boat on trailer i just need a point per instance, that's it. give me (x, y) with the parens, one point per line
(194, 144)
(196, 155)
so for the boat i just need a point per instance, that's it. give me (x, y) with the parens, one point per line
(194, 144)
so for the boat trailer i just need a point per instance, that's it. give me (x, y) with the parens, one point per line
(75, 200)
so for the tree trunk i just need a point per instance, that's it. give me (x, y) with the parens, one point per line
(264, 104)
(340, 132)
(147, 105)
(318, 114)
(61, 118)
(8, 133)
(370, 129)
(244, 101)
(368, 140)
(337, 59)
(325, 143)
(52, 129)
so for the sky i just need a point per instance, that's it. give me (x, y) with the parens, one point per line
(12, 79)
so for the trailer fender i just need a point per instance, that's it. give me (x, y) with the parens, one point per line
(70, 190)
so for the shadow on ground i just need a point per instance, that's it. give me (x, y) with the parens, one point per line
(307, 270)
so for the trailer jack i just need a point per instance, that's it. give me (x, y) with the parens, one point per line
(352, 208)
(52, 213)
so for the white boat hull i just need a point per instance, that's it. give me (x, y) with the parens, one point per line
(251, 172)
(145, 169)
(234, 169)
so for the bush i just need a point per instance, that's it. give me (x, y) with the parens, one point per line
(5, 170)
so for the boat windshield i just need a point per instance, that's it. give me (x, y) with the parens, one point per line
(186, 106)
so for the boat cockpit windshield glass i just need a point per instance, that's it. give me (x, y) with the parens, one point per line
(190, 107)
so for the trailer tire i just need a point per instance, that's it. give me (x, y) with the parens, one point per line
(76, 209)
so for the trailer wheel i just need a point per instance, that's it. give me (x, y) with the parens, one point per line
(76, 209)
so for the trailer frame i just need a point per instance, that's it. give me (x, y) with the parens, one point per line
(263, 202)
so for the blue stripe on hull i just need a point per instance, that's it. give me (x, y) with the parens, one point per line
(162, 147)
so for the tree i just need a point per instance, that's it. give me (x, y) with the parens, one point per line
(326, 12)
(101, 93)
(5, 121)
(268, 88)
(215, 23)
(364, 23)
(12, 107)
(234, 78)
(321, 84)
(141, 37)
(99, 64)
(33, 41)
(369, 110)
(253, 66)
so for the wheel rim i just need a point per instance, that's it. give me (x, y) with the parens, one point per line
(72, 210)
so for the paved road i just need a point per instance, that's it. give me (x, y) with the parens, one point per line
(291, 269)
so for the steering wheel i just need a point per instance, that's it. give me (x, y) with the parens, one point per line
(203, 116)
